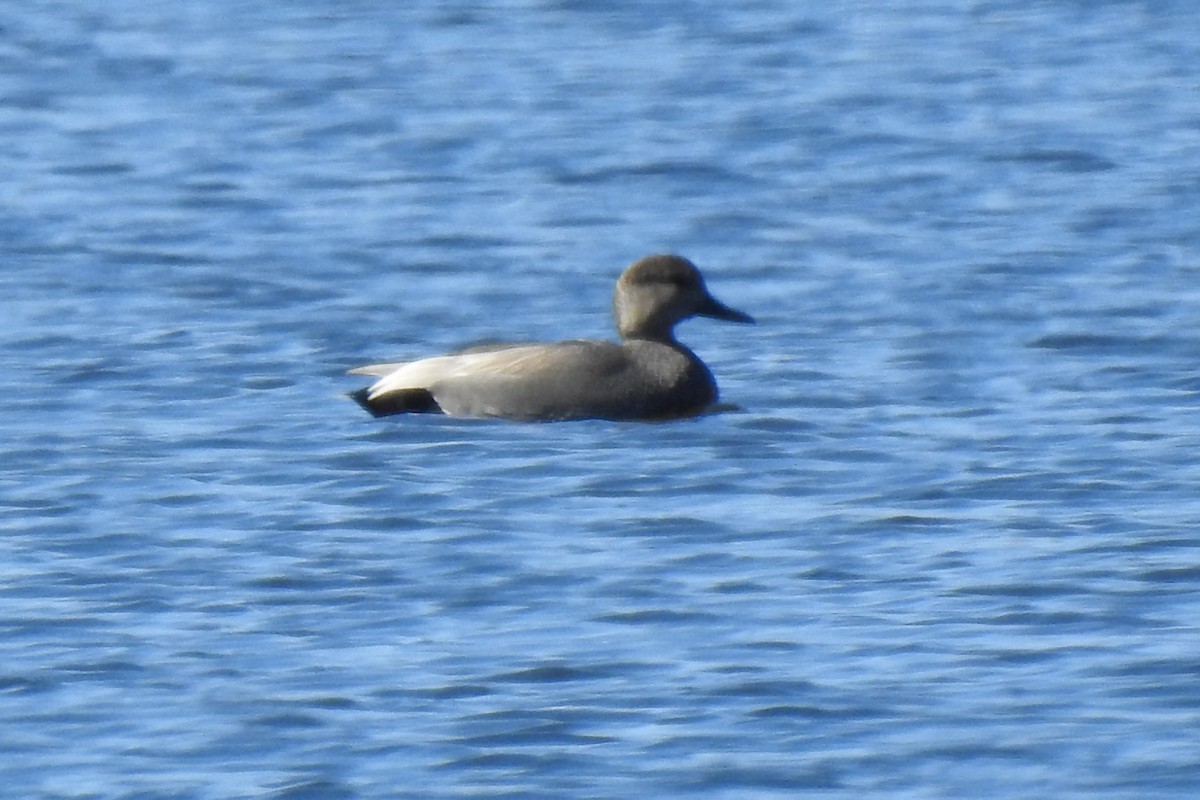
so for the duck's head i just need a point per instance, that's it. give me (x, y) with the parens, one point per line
(659, 291)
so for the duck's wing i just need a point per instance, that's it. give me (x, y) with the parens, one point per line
(543, 381)
(379, 370)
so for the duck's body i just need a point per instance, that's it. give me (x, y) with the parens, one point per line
(648, 375)
(636, 379)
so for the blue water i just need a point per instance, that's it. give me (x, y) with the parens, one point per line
(947, 545)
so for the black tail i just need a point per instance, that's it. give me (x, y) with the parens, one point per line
(408, 401)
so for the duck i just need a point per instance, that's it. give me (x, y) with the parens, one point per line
(648, 375)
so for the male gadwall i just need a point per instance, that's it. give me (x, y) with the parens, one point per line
(647, 376)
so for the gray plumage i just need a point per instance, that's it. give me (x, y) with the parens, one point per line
(647, 376)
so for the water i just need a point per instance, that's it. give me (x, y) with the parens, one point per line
(946, 545)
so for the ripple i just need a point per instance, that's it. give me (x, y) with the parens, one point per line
(947, 533)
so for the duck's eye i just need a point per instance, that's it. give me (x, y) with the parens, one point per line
(677, 279)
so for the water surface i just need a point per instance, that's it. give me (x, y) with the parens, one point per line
(944, 546)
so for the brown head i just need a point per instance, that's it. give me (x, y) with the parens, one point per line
(659, 291)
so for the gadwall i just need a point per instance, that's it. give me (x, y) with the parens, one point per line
(648, 376)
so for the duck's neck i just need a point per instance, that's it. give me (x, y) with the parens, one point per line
(643, 317)
(647, 331)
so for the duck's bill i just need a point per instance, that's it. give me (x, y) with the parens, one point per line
(718, 310)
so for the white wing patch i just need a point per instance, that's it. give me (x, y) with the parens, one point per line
(428, 372)
(378, 370)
